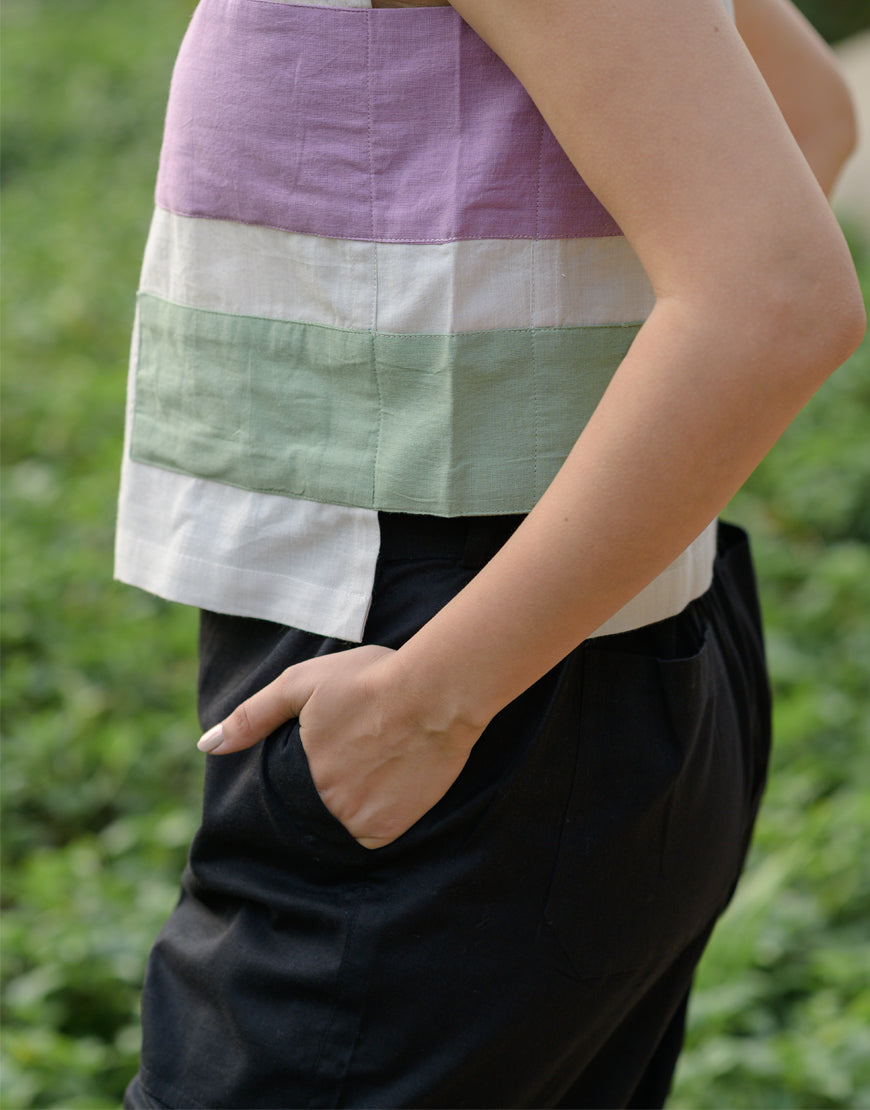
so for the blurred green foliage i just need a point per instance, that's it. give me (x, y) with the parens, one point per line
(99, 785)
(837, 19)
(100, 778)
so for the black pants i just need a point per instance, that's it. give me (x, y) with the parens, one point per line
(531, 941)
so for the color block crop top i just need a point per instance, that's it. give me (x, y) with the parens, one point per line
(374, 282)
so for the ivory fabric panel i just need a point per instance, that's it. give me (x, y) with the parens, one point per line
(433, 288)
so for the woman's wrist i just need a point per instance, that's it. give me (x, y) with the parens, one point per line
(436, 687)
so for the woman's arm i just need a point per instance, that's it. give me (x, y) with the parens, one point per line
(664, 113)
(801, 71)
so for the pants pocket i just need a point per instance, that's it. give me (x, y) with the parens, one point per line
(298, 815)
(653, 835)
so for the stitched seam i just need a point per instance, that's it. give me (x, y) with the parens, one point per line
(534, 308)
(410, 240)
(400, 335)
(360, 889)
(375, 289)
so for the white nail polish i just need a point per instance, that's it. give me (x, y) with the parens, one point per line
(211, 739)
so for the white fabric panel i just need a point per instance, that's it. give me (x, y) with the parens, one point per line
(433, 289)
(688, 576)
(217, 547)
(300, 563)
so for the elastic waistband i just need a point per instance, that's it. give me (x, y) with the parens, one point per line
(472, 539)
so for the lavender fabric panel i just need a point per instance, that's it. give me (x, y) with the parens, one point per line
(395, 125)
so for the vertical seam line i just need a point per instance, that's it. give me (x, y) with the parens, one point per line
(375, 275)
(534, 292)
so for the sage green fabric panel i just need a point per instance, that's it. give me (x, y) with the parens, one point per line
(475, 422)
(480, 422)
(244, 401)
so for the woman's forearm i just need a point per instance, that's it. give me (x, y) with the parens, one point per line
(802, 73)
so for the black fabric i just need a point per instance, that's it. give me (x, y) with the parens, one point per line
(531, 941)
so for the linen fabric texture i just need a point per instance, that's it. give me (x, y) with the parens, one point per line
(373, 282)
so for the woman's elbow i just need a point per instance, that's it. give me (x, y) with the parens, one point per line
(821, 309)
(848, 325)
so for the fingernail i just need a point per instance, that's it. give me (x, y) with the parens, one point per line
(211, 739)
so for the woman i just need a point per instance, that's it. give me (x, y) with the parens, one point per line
(418, 372)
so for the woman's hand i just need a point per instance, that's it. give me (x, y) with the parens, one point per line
(379, 756)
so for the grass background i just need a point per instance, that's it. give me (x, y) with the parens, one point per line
(100, 777)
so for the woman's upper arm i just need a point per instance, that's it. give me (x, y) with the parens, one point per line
(663, 111)
(802, 73)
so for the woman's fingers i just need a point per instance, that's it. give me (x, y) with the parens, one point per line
(283, 699)
(261, 714)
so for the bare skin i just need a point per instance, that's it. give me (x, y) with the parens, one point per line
(800, 71)
(672, 125)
